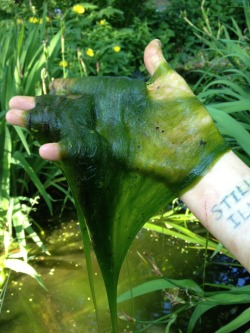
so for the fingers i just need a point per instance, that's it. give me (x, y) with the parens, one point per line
(18, 106)
(22, 102)
(50, 151)
(16, 116)
(153, 57)
(163, 75)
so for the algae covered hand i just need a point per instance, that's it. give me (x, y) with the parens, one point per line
(159, 128)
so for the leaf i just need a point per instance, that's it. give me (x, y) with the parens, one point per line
(219, 298)
(27, 167)
(87, 252)
(240, 290)
(229, 126)
(228, 298)
(18, 222)
(239, 321)
(22, 137)
(5, 157)
(198, 312)
(171, 321)
(23, 267)
(109, 12)
(36, 238)
(230, 107)
(219, 247)
(234, 87)
(185, 234)
(160, 284)
(39, 60)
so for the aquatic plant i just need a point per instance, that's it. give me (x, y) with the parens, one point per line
(122, 144)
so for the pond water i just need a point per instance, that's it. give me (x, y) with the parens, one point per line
(66, 306)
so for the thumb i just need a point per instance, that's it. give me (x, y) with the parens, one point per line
(163, 75)
(153, 57)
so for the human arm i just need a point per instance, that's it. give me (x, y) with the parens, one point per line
(221, 202)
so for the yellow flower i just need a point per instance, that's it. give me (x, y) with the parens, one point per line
(90, 52)
(19, 21)
(103, 22)
(37, 20)
(33, 19)
(117, 48)
(79, 9)
(47, 19)
(63, 63)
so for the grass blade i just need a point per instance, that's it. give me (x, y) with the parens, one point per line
(33, 176)
(23, 267)
(239, 321)
(229, 126)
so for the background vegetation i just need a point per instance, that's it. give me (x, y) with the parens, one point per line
(208, 43)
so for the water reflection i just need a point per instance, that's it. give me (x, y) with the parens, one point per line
(66, 306)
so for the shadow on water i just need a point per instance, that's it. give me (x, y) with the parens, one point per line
(66, 306)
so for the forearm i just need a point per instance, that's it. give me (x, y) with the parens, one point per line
(221, 201)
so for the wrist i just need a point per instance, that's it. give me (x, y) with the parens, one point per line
(221, 201)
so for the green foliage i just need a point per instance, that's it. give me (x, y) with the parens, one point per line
(128, 25)
(98, 47)
(224, 82)
(183, 47)
(131, 26)
(186, 294)
(24, 56)
(180, 223)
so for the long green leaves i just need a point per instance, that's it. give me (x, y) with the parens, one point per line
(229, 126)
(5, 155)
(23, 57)
(224, 84)
(20, 160)
(197, 298)
(160, 284)
(233, 296)
(177, 223)
(23, 267)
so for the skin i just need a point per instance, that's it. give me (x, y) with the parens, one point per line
(221, 202)
(220, 199)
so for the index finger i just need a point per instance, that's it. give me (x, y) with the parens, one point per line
(22, 102)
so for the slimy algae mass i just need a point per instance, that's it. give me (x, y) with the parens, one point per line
(127, 149)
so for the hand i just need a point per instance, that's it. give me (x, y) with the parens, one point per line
(159, 129)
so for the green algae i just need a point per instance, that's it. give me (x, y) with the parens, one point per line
(127, 149)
